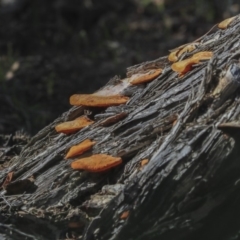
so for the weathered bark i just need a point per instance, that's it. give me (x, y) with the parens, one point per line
(188, 190)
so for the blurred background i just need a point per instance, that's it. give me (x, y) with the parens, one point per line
(52, 49)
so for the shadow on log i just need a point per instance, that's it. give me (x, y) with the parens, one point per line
(189, 189)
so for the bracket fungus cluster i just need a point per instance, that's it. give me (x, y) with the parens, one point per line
(109, 96)
(175, 54)
(185, 65)
(124, 145)
(112, 95)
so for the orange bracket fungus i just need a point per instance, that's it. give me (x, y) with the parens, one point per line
(124, 215)
(144, 162)
(73, 126)
(225, 23)
(94, 100)
(140, 78)
(177, 53)
(96, 163)
(172, 57)
(184, 66)
(80, 148)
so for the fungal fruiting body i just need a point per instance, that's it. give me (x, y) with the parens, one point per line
(225, 23)
(176, 54)
(124, 215)
(144, 162)
(189, 48)
(94, 100)
(96, 163)
(140, 78)
(73, 126)
(184, 66)
(172, 57)
(80, 148)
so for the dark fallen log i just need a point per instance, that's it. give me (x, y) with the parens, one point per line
(187, 127)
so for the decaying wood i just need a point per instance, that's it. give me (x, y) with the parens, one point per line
(189, 189)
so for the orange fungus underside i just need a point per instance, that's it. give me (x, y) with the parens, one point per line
(225, 23)
(184, 66)
(96, 163)
(94, 100)
(140, 78)
(73, 126)
(80, 148)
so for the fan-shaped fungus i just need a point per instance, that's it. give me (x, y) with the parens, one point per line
(80, 148)
(94, 100)
(96, 163)
(73, 126)
(140, 78)
(225, 23)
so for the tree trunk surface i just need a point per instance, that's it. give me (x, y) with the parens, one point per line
(188, 190)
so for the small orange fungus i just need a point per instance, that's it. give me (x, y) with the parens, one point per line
(184, 66)
(73, 126)
(172, 57)
(188, 48)
(140, 78)
(202, 56)
(124, 215)
(225, 23)
(96, 163)
(144, 162)
(80, 148)
(176, 54)
(94, 100)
